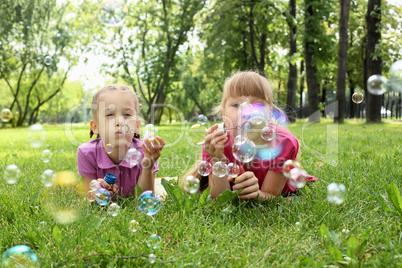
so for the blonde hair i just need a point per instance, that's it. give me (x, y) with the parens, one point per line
(95, 98)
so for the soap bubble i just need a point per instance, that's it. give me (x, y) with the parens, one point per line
(91, 196)
(253, 127)
(233, 169)
(48, 177)
(191, 184)
(377, 84)
(36, 136)
(151, 258)
(12, 174)
(336, 193)
(46, 156)
(297, 181)
(291, 169)
(103, 197)
(297, 226)
(133, 226)
(220, 169)
(268, 133)
(149, 203)
(19, 256)
(6, 115)
(114, 209)
(133, 157)
(48, 60)
(280, 117)
(202, 119)
(94, 185)
(150, 132)
(395, 76)
(205, 168)
(108, 148)
(196, 134)
(154, 241)
(243, 149)
(357, 97)
(124, 128)
(112, 13)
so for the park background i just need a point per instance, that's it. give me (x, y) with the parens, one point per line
(176, 56)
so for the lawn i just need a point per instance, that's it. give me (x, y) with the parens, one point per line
(302, 231)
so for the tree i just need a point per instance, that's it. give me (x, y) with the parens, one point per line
(292, 80)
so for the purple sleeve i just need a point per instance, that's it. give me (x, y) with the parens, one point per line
(86, 166)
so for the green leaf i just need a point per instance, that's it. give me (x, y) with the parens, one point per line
(174, 192)
(57, 235)
(395, 196)
(226, 196)
(324, 232)
(351, 246)
(334, 237)
(384, 204)
(336, 254)
(138, 191)
(204, 196)
(90, 227)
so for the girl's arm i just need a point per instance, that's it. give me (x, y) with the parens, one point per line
(272, 185)
(218, 185)
(147, 179)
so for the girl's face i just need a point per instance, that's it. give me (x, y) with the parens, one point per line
(116, 109)
(232, 114)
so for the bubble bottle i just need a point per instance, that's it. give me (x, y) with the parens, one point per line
(110, 178)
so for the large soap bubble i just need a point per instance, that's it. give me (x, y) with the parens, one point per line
(243, 149)
(19, 256)
(112, 13)
(377, 84)
(395, 76)
(149, 203)
(12, 174)
(6, 115)
(36, 136)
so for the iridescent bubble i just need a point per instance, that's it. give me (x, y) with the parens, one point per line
(36, 136)
(6, 115)
(154, 241)
(48, 60)
(297, 181)
(149, 203)
(91, 196)
(253, 127)
(124, 128)
(220, 169)
(243, 149)
(280, 117)
(133, 157)
(94, 185)
(395, 76)
(233, 169)
(202, 119)
(151, 258)
(12, 174)
(205, 168)
(150, 132)
(377, 84)
(114, 209)
(103, 197)
(19, 256)
(291, 169)
(196, 134)
(268, 133)
(336, 193)
(48, 177)
(357, 97)
(46, 156)
(133, 226)
(112, 13)
(108, 148)
(191, 184)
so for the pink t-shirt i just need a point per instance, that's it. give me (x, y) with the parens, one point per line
(93, 162)
(285, 146)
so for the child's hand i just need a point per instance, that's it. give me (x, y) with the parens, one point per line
(152, 151)
(107, 186)
(248, 183)
(214, 143)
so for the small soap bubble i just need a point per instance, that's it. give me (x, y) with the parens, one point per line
(48, 60)
(94, 185)
(133, 157)
(233, 169)
(395, 76)
(357, 97)
(133, 226)
(196, 134)
(299, 180)
(19, 256)
(377, 84)
(46, 156)
(12, 174)
(103, 197)
(36, 136)
(154, 241)
(48, 177)
(114, 209)
(151, 258)
(243, 149)
(268, 133)
(124, 128)
(108, 148)
(6, 115)
(149, 203)
(202, 119)
(191, 184)
(291, 169)
(220, 169)
(91, 196)
(112, 13)
(150, 132)
(205, 168)
(336, 193)
(297, 226)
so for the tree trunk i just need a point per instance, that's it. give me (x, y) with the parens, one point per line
(292, 82)
(373, 59)
(301, 88)
(344, 6)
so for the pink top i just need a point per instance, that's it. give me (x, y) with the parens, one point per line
(93, 162)
(285, 146)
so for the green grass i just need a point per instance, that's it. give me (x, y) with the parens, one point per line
(253, 234)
